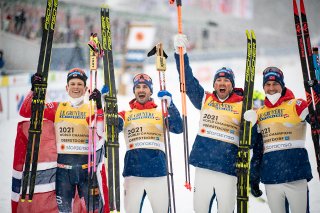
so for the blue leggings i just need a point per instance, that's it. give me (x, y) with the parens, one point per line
(67, 181)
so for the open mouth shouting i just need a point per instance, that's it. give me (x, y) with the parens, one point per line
(142, 97)
(222, 90)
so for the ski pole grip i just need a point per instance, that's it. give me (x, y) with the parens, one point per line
(161, 63)
(161, 58)
(93, 62)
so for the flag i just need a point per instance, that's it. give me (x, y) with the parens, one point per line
(140, 37)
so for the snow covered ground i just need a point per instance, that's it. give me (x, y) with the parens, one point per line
(204, 71)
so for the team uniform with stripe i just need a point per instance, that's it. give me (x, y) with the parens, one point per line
(44, 199)
(71, 130)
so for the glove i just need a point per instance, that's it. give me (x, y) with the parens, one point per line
(165, 95)
(315, 84)
(35, 79)
(96, 96)
(105, 90)
(255, 190)
(251, 116)
(180, 40)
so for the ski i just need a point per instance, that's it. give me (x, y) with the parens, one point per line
(245, 128)
(38, 102)
(309, 76)
(111, 114)
(161, 68)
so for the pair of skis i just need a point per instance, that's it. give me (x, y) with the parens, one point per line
(111, 115)
(243, 161)
(38, 102)
(309, 74)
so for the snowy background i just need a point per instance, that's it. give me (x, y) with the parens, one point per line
(289, 64)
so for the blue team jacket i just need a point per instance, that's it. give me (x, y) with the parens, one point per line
(278, 166)
(149, 162)
(206, 152)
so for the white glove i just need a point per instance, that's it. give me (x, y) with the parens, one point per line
(251, 116)
(180, 40)
(168, 99)
(165, 96)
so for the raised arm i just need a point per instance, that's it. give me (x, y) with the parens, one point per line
(194, 90)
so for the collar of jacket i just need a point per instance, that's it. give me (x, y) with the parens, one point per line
(286, 95)
(134, 104)
(233, 97)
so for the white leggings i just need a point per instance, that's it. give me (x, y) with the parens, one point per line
(295, 192)
(207, 183)
(156, 189)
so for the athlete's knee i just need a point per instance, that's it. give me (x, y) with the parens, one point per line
(63, 205)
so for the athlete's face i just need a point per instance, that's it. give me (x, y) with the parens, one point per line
(223, 87)
(142, 93)
(76, 88)
(272, 87)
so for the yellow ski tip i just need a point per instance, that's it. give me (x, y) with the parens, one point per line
(106, 6)
(253, 34)
(247, 34)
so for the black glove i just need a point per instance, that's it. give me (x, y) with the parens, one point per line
(255, 190)
(96, 96)
(35, 79)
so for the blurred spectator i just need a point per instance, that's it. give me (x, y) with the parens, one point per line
(1, 60)
(6, 22)
(20, 20)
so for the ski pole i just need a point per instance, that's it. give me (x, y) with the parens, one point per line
(161, 67)
(183, 100)
(95, 53)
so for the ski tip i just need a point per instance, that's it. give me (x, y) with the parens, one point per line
(253, 35)
(295, 7)
(302, 7)
(105, 6)
(248, 34)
